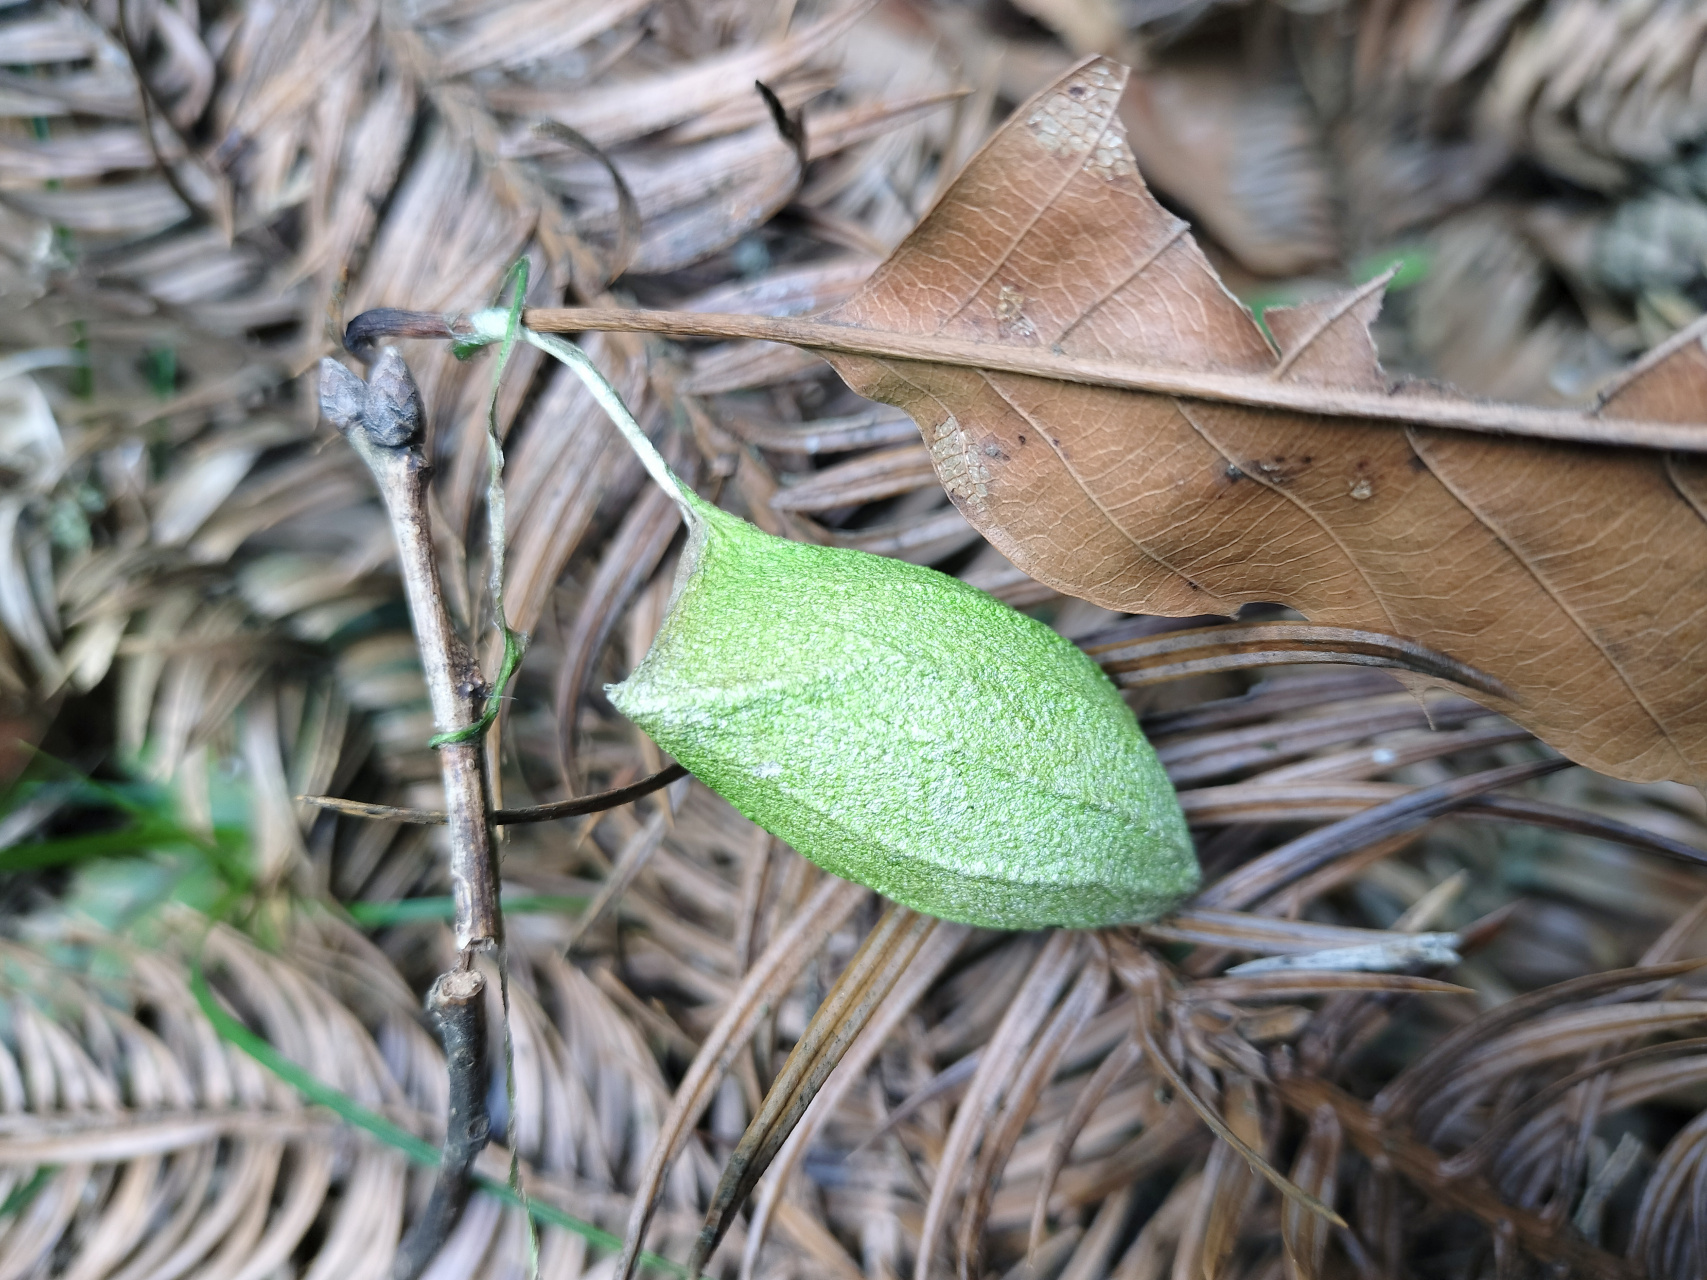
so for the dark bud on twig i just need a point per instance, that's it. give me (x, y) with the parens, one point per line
(458, 1004)
(342, 395)
(393, 412)
(387, 409)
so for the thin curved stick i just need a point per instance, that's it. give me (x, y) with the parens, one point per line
(1175, 655)
(596, 803)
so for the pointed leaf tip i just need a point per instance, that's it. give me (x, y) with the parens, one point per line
(1326, 342)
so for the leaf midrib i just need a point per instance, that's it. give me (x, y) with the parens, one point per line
(1257, 391)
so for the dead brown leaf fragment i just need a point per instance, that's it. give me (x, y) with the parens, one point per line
(1576, 575)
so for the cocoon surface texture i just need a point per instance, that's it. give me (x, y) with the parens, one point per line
(907, 731)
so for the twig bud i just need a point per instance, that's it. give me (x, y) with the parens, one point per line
(393, 411)
(386, 408)
(342, 395)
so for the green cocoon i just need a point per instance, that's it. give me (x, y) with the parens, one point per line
(903, 729)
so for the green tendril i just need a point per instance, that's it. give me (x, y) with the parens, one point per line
(515, 643)
(514, 646)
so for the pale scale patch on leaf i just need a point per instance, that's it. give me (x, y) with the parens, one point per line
(963, 474)
(1112, 158)
(1011, 320)
(1070, 122)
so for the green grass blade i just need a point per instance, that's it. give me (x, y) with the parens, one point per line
(341, 1104)
(128, 841)
(20, 1199)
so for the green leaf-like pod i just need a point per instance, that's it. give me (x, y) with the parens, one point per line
(901, 728)
(910, 732)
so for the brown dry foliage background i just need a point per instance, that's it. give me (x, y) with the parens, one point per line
(196, 588)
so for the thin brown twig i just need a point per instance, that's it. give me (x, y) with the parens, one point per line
(595, 803)
(458, 1005)
(382, 421)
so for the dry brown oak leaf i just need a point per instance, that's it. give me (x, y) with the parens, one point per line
(1107, 414)
(1575, 574)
